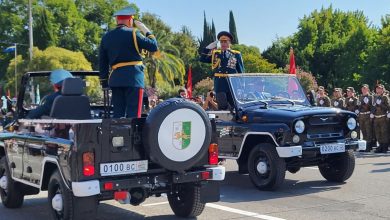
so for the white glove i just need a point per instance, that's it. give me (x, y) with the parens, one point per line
(212, 45)
(388, 115)
(141, 27)
(372, 115)
(357, 111)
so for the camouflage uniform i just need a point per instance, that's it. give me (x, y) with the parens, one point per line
(380, 110)
(323, 101)
(364, 109)
(338, 103)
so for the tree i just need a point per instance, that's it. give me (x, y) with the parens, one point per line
(232, 28)
(166, 62)
(253, 61)
(43, 30)
(48, 59)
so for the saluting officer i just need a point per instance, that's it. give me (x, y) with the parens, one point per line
(338, 100)
(323, 100)
(364, 109)
(381, 108)
(223, 61)
(121, 50)
(351, 103)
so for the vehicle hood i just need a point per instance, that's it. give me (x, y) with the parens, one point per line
(274, 113)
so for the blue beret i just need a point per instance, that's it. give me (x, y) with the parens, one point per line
(57, 76)
(128, 11)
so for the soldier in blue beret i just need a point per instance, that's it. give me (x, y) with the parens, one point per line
(120, 62)
(223, 61)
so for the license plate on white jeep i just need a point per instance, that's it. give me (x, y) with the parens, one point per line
(120, 168)
(332, 148)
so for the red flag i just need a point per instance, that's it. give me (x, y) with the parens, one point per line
(292, 62)
(189, 82)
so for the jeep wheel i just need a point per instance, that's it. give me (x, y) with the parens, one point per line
(338, 167)
(185, 200)
(63, 205)
(11, 192)
(266, 169)
(177, 134)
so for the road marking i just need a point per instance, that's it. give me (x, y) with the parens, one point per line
(154, 204)
(227, 209)
(242, 212)
(312, 168)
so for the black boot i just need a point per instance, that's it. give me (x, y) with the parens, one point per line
(379, 149)
(368, 147)
(385, 148)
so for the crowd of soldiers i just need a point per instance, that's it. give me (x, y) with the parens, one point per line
(372, 108)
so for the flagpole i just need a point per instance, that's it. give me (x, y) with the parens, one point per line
(16, 81)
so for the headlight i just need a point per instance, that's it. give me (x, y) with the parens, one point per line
(354, 134)
(296, 139)
(299, 126)
(351, 123)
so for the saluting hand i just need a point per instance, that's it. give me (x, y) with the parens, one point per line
(212, 45)
(141, 27)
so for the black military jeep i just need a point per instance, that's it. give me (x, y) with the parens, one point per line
(82, 156)
(272, 127)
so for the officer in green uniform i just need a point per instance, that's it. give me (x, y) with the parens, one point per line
(120, 50)
(223, 61)
(364, 109)
(323, 100)
(351, 102)
(379, 114)
(338, 100)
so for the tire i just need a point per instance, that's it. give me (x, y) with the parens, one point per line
(13, 197)
(185, 201)
(177, 134)
(338, 167)
(73, 207)
(265, 157)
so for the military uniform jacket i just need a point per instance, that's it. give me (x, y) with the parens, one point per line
(365, 103)
(45, 108)
(225, 62)
(338, 102)
(323, 101)
(351, 104)
(124, 44)
(381, 105)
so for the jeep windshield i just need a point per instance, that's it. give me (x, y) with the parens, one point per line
(270, 89)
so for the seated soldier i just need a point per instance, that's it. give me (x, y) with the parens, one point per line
(56, 78)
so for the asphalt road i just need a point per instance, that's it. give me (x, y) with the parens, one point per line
(304, 195)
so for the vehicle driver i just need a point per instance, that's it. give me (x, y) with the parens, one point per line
(56, 78)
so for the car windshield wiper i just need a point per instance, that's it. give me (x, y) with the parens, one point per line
(281, 99)
(255, 102)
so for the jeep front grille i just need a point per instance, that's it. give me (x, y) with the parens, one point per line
(324, 120)
(327, 135)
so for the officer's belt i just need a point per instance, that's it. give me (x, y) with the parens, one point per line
(221, 75)
(379, 116)
(131, 63)
(365, 113)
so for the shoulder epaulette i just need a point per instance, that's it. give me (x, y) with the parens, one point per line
(235, 51)
(217, 51)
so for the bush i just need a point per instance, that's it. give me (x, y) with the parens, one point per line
(203, 86)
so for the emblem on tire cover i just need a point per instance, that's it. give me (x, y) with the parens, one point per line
(181, 134)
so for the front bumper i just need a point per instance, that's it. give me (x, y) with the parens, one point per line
(311, 148)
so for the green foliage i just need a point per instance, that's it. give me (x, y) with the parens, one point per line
(209, 34)
(166, 62)
(203, 86)
(253, 61)
(232, 28)
(49, 59)
(332, 44)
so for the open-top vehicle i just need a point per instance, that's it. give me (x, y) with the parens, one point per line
(82, 156)
(272, 127)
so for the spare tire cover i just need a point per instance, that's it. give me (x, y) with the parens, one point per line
(177, 134)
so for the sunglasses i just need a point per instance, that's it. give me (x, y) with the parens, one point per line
(224, 41)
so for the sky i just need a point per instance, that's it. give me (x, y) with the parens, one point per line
(258, 22)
